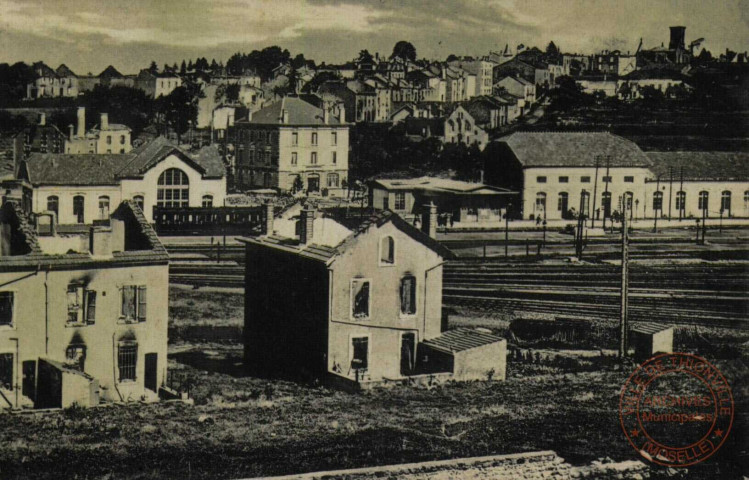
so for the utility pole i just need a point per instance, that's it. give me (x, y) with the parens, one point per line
(657, 206)
(670, 189)
(623, 311)
(580, 227)
(595, 192)
(681, 193)
(606, 206)
(507, 226)
(704, 220)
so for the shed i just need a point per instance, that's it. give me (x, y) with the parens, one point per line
(651, 338)
(468, 354)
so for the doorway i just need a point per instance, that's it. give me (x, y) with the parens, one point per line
(408, 353)
(151, 371)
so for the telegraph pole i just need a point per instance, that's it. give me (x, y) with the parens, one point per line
(607, 180)
(670, 189)
(595, 192)
(623, 311)
(507, 226)
(657, 207)
(682, 207)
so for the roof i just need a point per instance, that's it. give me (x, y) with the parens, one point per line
(518, 79)
(416, 125)
(108, 169)
(441, 185)
(460, 340)
(326, 254)
(731, 166)
(299, 111)
(110, 72)
(574, 149)
(649, 328)
(64, 71)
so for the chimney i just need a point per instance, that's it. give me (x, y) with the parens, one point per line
(117, 241)
(104, 124)
(284, 116)
(326, 115)
(81, 122)
(341, 113)
(429, 220)
(71, 129)
(677, 38)
(42, 119)
(99, 242)
(269, 214)
(306, 223)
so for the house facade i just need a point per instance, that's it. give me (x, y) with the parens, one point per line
(62, 82)
(372, 301)
(83, 316)
(292, 142)
(82, 188)
(105, 138)
(519, 87)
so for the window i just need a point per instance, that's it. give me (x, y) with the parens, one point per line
(53, 204)
(293, 158)
(334, 158)
(606, 179)
(360, 299)
(122, 139)
(207, 201)
(109, 139)
(78, 208)
(725, 202)
(408, 295)
(334, 138)
(133, 303)
(541, 202)
(75, 356)
(657, 201)
(127, 360)
(313, 158)
(294, 139)
(103, 207)
(314, 138)
(681, 200)
(629, 179)
(173, 189)
(138, 200)
(585, 179)
(6, 371)
(332, 180)
(81, 305)
(702, 201)
(540, 179)
(564, 179)
(562, 201)
(387, 250)
(606, 204)
(360, 353)
(6, 309)
(400, 200)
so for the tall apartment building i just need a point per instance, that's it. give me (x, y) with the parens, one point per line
(291, 144)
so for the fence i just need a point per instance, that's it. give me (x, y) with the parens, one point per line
(208, 220)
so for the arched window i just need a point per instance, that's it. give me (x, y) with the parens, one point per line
(563, 202)
(408, 295)
(541, 203)
(207, 201)
(53, 204)
(173, 189)
(681, 201)
(78, 212)
(387, 250)
(725, 202)
(138, 200)
(103, 207)
(703, 200)
(657, 201)
(586, 203)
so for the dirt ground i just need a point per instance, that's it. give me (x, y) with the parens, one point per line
(241, 426)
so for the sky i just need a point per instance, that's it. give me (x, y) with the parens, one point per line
(88, 35)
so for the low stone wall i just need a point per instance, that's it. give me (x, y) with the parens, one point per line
(531, 465)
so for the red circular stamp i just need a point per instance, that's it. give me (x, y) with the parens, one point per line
(676, 409)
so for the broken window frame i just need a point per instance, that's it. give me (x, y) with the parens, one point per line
(407, 295)
(387, 251)
(361, 366)
(7, 319)
(82, 309)
(75, 356)
(356, 313)
(134, 311)
(7, 370)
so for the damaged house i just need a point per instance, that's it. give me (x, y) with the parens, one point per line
(83, 311)
(355, 305)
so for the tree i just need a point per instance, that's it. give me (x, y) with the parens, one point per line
(451, 58)
(153, 68)
(552, 49)
(404, 50)
(180, 108)
(183, 68)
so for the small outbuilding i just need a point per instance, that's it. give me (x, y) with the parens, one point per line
(649, 339)
(468, 354)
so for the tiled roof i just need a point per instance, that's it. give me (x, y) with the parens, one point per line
(435, 184)
(299, 112)
(64, 71)
(108, 169)
(110, 72)
(649, 328)
(726, 166)
(461, 339)
(574, 149)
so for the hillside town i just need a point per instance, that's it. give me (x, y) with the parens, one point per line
(395, 266)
